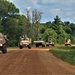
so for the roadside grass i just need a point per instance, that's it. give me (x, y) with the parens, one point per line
(10, 48)
(65, 53)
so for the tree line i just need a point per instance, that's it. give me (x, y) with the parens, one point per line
(15, 25)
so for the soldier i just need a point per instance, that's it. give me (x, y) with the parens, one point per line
(25, 37)
(69, 40)
(50, 40)
(5, 37)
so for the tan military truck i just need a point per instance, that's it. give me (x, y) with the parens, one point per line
(39, 42)
(24, 42)
(3, 43)
(50, 43)
(67, 42)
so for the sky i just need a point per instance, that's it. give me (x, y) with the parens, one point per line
(65, 9)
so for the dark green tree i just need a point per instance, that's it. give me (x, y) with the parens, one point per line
(49, 33)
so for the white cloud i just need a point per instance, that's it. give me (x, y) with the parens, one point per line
(58, 1)
(49, 1)
(55, 11)
(28, 8)
(51, 8)
(34, 3)
(10, 0)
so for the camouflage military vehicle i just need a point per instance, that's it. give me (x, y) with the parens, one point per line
(24, 42)
(67, 42)
(39, 42)
(3, 43)
(50, 43)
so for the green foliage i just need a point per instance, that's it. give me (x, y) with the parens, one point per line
(67, 29)
(65, 53)
(73, 40)
(14, 28)
(1, 27)
(42, 28)
(15, 25)
(49, 33)
(7, 8)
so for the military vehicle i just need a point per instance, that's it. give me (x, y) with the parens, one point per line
(50, 43)
(25, 42)
(39, 42)
(3, 43)
(67, 42)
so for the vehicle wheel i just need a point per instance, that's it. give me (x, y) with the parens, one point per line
(47, 45)
(4, 49)
(43, 45)
(65, 45)
(37, 45)
(29, 46)
(52, 44)
(20, 47)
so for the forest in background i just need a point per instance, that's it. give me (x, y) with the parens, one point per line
(15, 25)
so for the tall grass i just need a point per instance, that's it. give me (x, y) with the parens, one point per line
(65, 53)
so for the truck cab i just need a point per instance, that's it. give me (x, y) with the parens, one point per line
(3, 43)
(67, 42)
(24, 42)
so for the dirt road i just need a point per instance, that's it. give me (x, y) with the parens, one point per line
(36, 61)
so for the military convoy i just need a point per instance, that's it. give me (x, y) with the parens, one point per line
(3, 43)
(26, 42)
(43, 43)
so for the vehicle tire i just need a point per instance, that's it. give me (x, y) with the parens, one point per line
(43, 45)
(47, 45)
(20, 47)
(4, 49)
(29, 46)
(65, 44)
(37, 45)
(52, 44)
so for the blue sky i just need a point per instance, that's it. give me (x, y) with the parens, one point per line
(65, 9)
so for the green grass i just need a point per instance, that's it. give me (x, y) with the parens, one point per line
(65, 53)
(9, 48)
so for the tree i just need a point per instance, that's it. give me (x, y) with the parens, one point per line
(14, 27)
(57, 20)
(27, 26)
(36, 17)
(8, 21)
(67, 29)
(72, 26)
(61, 35)
(49, 33)
(66, 23)
(7, 9)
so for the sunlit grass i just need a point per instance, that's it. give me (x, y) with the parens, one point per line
(65, 53)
